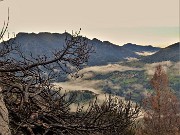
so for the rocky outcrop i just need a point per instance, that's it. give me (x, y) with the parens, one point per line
(4, 119)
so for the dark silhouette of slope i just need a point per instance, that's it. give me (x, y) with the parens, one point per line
(170, 53)
(46, 43)
(139, 48)
(105, 52)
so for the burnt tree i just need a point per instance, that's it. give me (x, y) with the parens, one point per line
(162, 107)
(35, 106)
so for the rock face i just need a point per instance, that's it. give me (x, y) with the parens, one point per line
(4, 119)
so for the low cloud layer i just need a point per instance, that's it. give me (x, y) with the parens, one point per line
(86, 83)
(144, 53)
(150, 68)
(107, 69)
(129, 59)
(93, 85)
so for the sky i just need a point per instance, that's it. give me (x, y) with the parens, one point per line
(143, 22)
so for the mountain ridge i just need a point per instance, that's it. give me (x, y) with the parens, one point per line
(169, 53)
(44, 43)
(138, 48)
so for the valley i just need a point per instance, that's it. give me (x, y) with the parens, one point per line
(120, 80)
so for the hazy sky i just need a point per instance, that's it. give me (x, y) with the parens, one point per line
(145, 22)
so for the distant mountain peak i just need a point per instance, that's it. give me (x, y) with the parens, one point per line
(96, 40)
(132, 44)
(24, 34)
(107, 42)
(129, 44)
(140, 48)
(40, 34)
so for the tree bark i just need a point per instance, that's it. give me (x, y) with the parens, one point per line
(4, 119)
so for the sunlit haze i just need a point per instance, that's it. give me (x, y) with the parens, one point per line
(144, 22)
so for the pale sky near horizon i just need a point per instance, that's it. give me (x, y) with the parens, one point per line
(144, 22)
